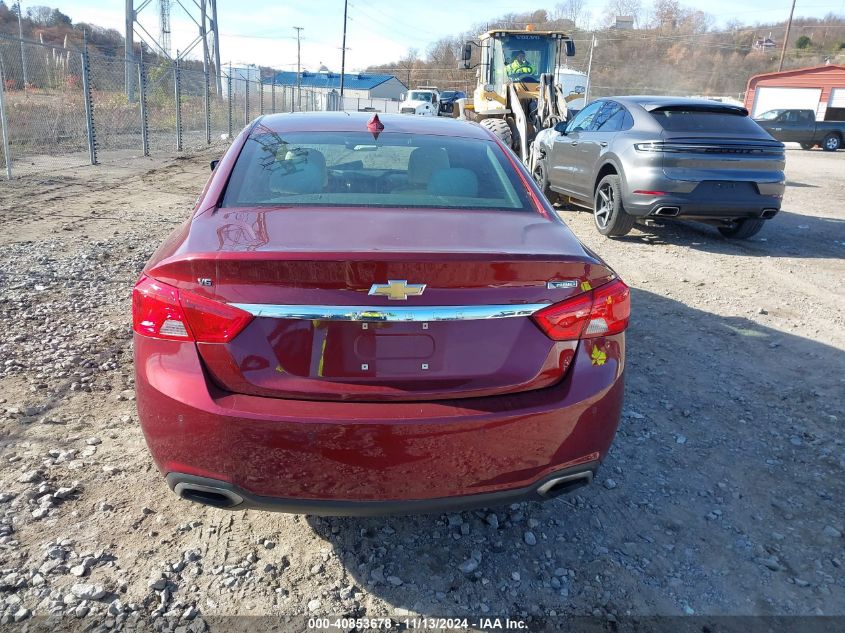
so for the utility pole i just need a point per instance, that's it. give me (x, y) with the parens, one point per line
(786, 37)
(129, 51)
(20, 35)
(298, 71)
(343, 53)
(214, 30)
(589, 72)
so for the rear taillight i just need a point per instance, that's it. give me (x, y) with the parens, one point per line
(162, 311)
(653, 146)
(156, 311)
(599, 312)
(212, 321)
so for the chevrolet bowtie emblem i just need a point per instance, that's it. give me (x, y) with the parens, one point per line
(397, 290)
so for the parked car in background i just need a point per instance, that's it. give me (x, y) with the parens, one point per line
(448, 100)
(422, 101)
(800, 126)
(369, 316)
(630, 158)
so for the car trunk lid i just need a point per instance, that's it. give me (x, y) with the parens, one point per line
(395, 305)
(704, 141)
(722, 157)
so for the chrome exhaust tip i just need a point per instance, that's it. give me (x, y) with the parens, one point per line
(768, 214)
(564, 484)
(208, 495)
(667, 212)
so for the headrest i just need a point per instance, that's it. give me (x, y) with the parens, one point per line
(423, 161)
(454, 181)
(300, 170)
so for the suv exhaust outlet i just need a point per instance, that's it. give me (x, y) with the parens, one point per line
(667, 212)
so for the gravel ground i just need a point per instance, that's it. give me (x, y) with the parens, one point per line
(722, 493)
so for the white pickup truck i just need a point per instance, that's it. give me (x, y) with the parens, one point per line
(421, 101)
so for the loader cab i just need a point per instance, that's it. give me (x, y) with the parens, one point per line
(539, 57)
(543, 51)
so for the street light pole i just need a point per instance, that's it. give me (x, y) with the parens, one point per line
(786, 37)
(298, 71)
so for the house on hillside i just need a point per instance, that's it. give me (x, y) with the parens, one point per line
(355, 85)
(624, 23)
(765, 44)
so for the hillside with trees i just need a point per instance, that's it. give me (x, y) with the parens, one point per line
(673, 49)
(51, 26)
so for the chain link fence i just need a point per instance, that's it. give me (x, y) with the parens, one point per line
(43, 106)
(117, 117)
(62, 107)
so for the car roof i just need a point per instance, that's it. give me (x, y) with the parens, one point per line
(357, 122)
(655, 102)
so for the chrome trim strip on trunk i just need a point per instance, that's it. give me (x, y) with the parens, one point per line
(383, 313)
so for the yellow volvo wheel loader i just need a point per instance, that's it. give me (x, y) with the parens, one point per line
(516, 95)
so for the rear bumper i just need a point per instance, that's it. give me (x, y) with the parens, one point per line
(693, 207)
(375, 458)
(222, 494)
(717, 200)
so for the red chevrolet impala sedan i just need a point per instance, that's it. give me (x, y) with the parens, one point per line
(369, 316)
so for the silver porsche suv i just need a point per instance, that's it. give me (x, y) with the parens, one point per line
(630, 158)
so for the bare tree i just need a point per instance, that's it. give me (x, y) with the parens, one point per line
(40, 15)
(406, 65)
(572, 10)
(666, 14)
(670, 15)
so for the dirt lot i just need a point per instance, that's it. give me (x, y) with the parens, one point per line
(722, 494)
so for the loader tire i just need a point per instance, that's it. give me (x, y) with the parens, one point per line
(501, 129)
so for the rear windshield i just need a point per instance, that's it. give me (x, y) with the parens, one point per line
(723, 121)
(356, 169)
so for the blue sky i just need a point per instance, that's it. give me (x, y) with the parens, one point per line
(261, 31)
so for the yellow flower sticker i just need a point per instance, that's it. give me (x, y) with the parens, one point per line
(585, 286)
(598, 357)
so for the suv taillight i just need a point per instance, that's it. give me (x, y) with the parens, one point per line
(599, 312)
(162, 311)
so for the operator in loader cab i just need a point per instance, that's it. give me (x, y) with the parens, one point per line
(520, 65)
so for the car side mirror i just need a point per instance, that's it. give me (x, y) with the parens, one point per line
(570, 48)
(214, 164)
(560, 127)
(402, 97)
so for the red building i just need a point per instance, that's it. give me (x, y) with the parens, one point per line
(817, 88)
